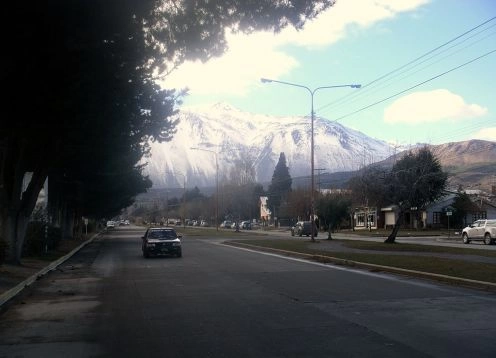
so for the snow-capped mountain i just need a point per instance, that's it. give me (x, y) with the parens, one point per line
(231, 135)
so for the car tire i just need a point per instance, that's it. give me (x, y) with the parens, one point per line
(487, 239)
(465, 238)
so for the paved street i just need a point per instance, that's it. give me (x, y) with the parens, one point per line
(220, 301)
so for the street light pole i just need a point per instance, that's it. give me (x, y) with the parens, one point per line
(312, 175)
(216, 184)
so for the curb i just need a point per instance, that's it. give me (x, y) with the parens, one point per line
(14, 291)
(482, 285)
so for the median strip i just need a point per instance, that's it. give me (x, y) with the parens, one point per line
(488, 286)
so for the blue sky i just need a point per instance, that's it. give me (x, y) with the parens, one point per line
(359, 41)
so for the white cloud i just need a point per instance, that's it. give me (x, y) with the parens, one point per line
(431, 106)
(486, 134)
(259, 55)
(249, 58)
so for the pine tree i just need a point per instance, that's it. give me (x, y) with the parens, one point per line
(280, 185)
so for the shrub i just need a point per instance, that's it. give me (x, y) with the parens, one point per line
(37, 240)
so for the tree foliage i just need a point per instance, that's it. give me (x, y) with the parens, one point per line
(414, 181)
(332, 210)
(462, 205)
(280, 184)
(82, 102)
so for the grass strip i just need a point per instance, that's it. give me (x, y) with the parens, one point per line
(457, 268)
(402, 247)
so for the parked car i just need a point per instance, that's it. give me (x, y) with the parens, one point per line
(204, 223)
(110, 224)
(226, 224)
(161, 241)
(481, 230)
(245, 225)
(304, 228)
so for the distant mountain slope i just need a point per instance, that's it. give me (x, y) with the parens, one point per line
(235, 134)
(470, 164)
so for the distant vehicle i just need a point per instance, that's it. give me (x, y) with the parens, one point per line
(110, 224)
(255, 225)
(226, 224)
(304, 228)
(480, 230)
(126, 222)
(245, 225)
(204, 223)
(161, 241)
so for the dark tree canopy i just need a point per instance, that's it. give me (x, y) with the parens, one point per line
(81, 102)
(415, 180)
(280, 184)
(332, 209)
(462, 205)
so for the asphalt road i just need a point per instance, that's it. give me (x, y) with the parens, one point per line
(218, 301)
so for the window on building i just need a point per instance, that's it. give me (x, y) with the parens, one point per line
(360, 219)
(479, 215)
(372, 220)
(436, 217)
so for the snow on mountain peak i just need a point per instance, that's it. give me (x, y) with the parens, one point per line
(230, 134)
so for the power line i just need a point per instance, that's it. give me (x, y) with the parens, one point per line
(414, 86)
(388, 82)
(355, 94)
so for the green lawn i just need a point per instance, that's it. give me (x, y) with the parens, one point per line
(373, 253)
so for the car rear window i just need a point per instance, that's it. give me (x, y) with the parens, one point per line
(162, 234)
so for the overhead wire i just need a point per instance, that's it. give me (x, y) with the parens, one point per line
(412, 62)
(388, 82)
(415, 86)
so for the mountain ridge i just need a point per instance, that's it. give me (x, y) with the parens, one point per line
(236, 135)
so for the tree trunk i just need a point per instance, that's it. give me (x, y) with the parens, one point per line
(16, 215)
(392, 237)
(67, 223)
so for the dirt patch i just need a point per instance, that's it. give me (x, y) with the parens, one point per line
(12, 275)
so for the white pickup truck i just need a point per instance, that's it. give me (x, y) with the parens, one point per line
(483, 230)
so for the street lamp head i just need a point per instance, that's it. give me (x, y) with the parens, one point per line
(356, 86)
(265, 80)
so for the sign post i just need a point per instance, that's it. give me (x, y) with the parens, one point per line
(448, 214)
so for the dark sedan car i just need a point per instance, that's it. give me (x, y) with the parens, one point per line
(161, 241)
(304, 228)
